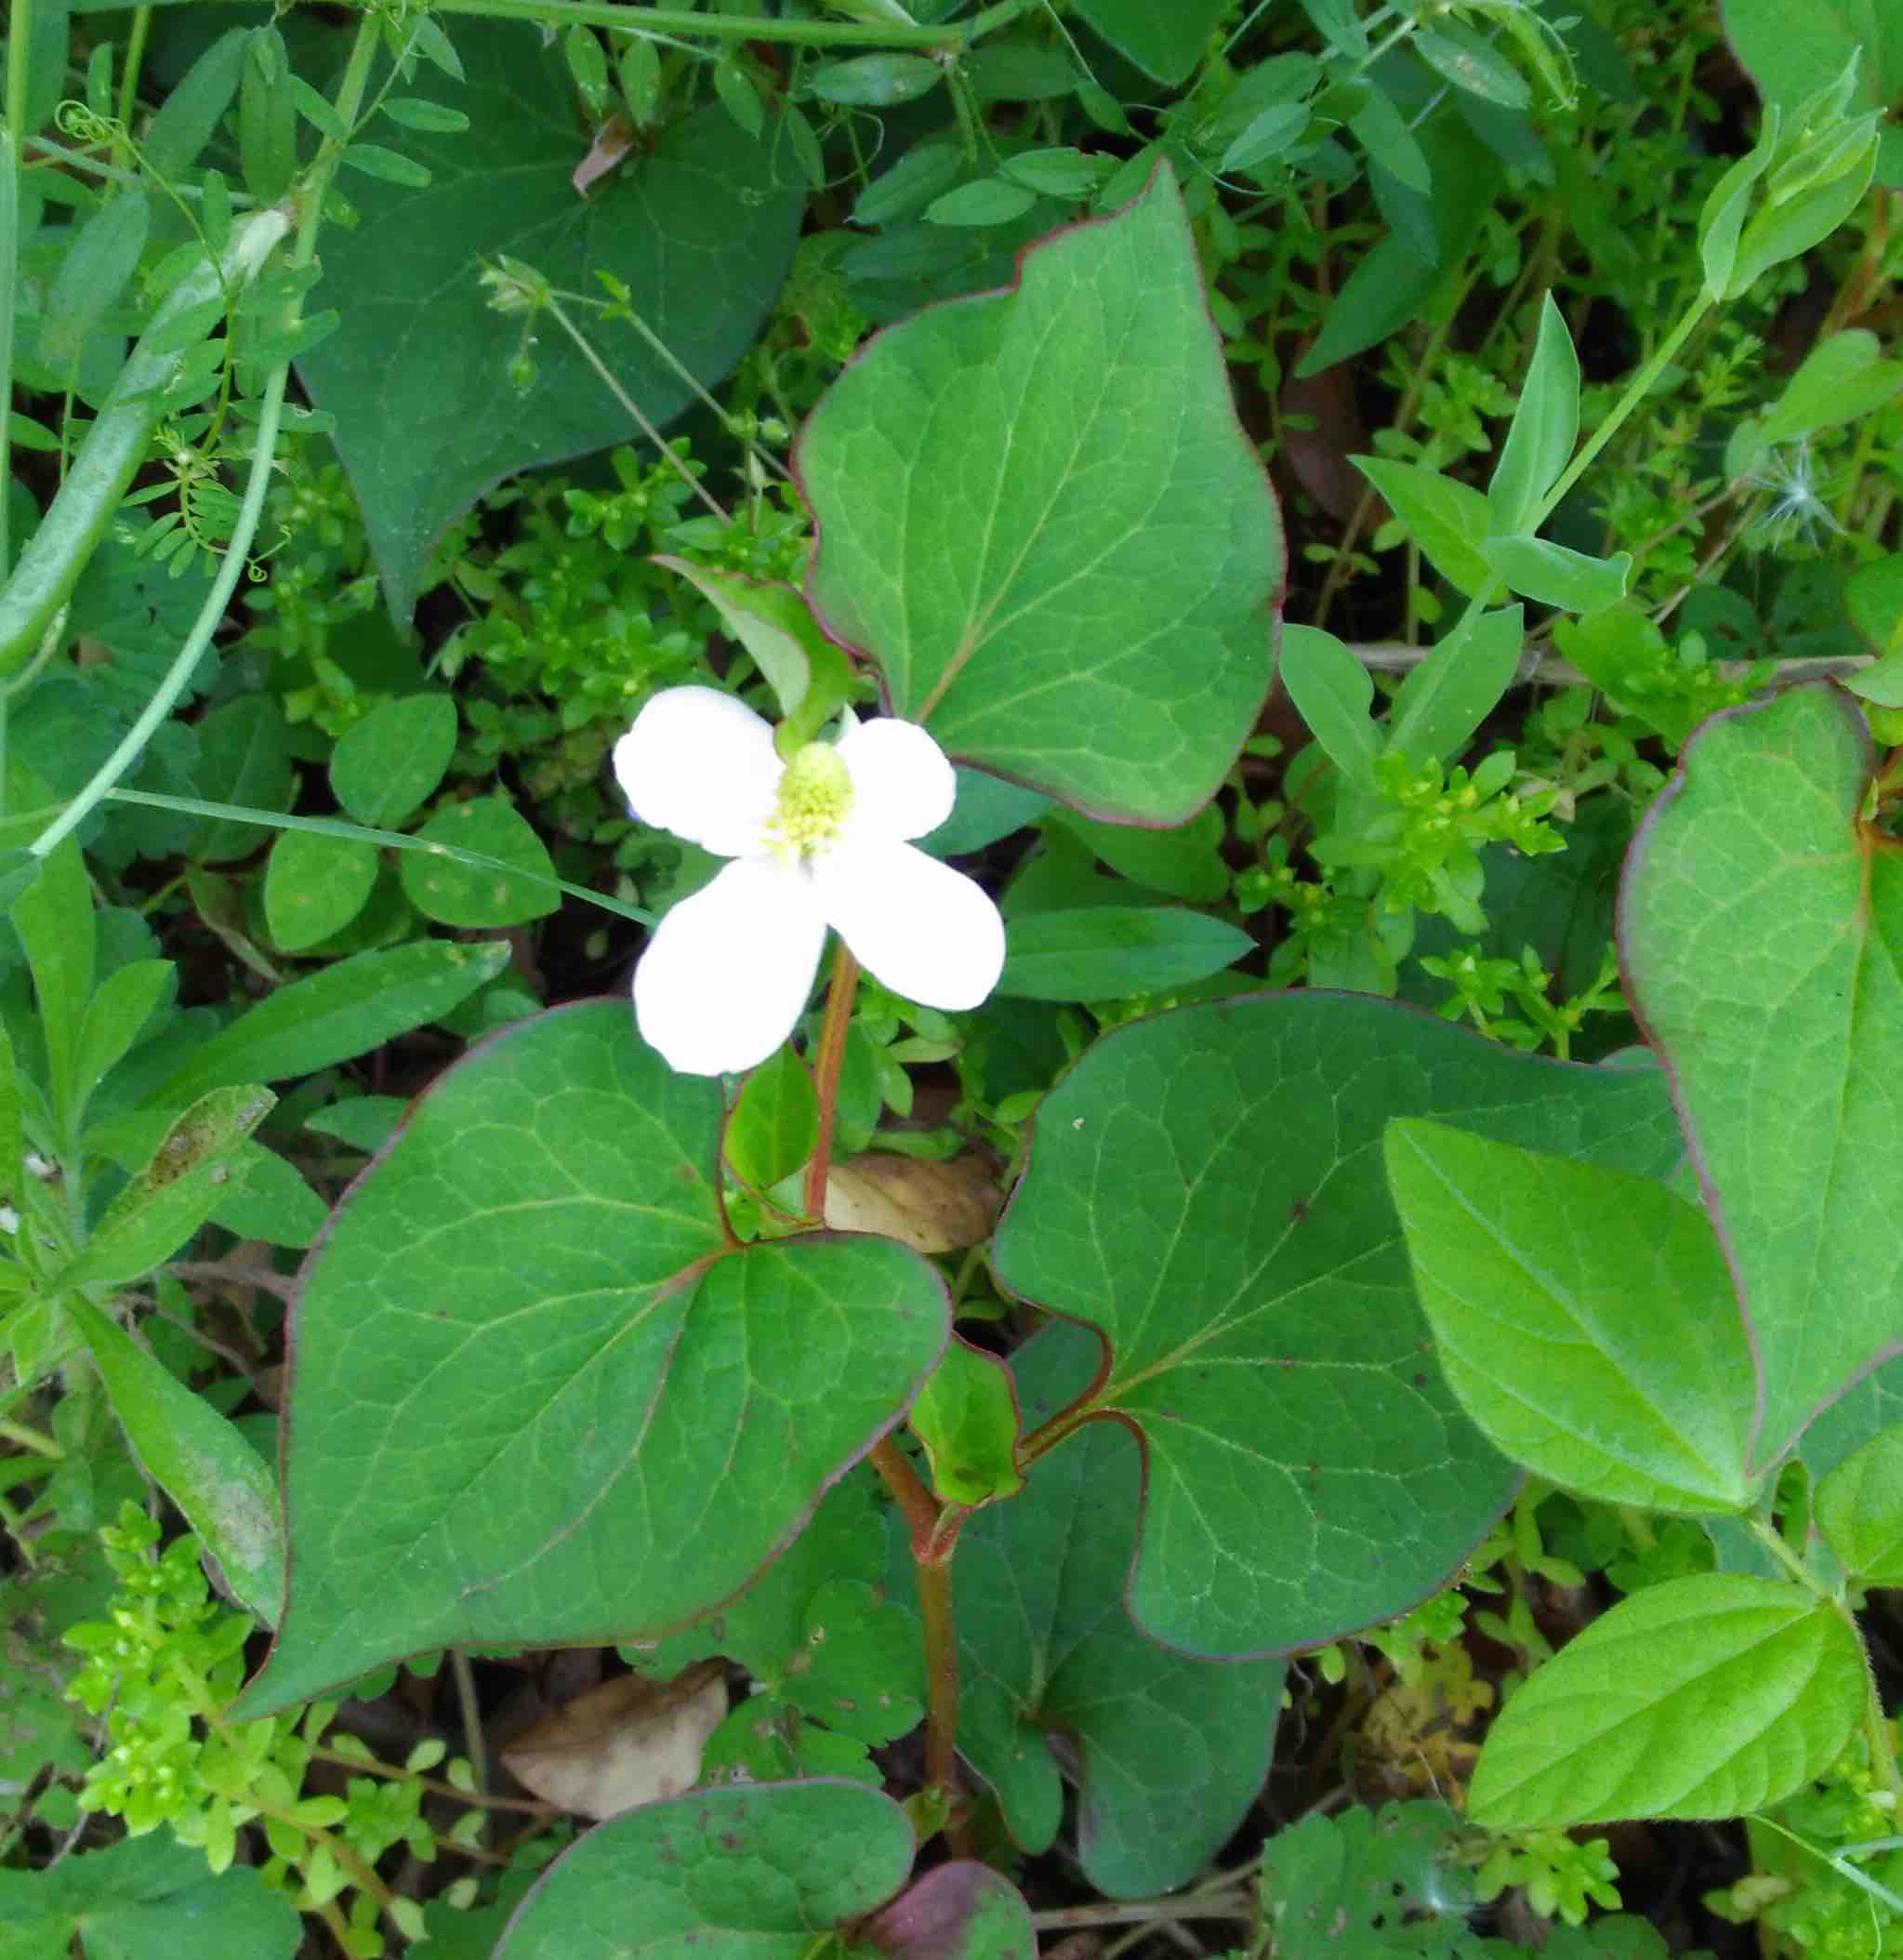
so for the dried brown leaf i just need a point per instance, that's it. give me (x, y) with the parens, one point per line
(628, 1741)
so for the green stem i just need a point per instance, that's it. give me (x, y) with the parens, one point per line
(1768, 1535)
(111, 173)
(135, 60)
(553, 15)
(29, 1439)
(633, 409)
(361, 833)
(1876, 1728)
(12, 162)
(473, 1716)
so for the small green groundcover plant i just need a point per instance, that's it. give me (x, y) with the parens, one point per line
(1295, 1292)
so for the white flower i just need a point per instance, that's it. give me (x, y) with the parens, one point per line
(817, 842)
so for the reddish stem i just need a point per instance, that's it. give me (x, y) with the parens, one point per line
(827, 1059)
(925, 1516)
(932, 1545)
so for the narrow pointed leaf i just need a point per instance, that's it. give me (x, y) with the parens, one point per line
(1459, 683)
(1761, 924)
(1700, 1698)
(1546, 425)
(537, 1273)
(1072, 568)
(1552, 574)
(1206, 1188)
(173, 1194)
(1584, 1318)
(225, 1488)
(1448, 519)
(345, 1010)
(1334, 695)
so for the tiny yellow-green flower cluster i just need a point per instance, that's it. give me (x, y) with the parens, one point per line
(815, 799)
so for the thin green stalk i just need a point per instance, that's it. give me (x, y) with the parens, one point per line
(18, 35)
(555, 13)
(383, 839)
(621, 311)
(111, 173)
(1772, 1540)
(1876, 1728)
(114, 446)
(629, 403)
(29, 1439)
(135, 60)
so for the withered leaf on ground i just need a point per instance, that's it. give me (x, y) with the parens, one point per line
(628, 1741)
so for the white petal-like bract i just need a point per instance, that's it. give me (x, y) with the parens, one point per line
(916, 925)
(703, 765)
(727, 972)
(902, 784)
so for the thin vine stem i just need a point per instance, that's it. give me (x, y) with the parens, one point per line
(12, 163)
(631, 407)
(553, 15)
(384, 839)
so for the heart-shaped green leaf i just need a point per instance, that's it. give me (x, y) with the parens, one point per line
(129, 1902)
(538, 1395)
(1762, 923)
(1703, 1697)
(208, 1469)
(701, 228)
(1584, 1317)
(748, 1874)
(1206, 1188)
(836, 1666)
(1165, 42)
(1072, 566)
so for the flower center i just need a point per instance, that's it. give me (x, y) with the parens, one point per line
(815, 799)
